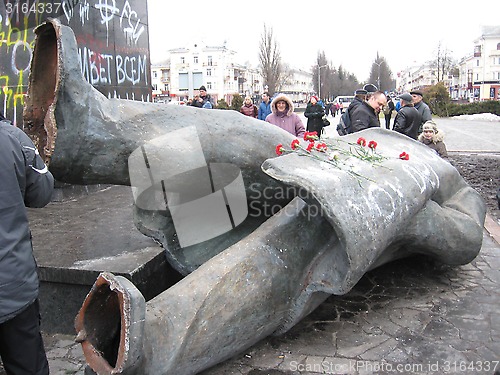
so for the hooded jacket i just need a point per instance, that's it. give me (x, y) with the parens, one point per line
(288, 120)
(436, 142)
(26, 182)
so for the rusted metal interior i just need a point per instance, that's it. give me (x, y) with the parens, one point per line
(100, 326)
(41, 98)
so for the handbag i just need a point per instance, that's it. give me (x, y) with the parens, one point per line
(326, 122)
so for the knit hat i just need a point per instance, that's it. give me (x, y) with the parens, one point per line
(203, 88)
(315, 97)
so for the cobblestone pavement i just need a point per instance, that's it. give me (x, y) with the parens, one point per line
(409, 316)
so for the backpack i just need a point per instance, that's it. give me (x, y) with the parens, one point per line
(344, 126)
(388, 108)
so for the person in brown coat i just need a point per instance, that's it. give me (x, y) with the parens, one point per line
(433, 138)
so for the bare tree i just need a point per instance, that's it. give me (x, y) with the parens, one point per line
(271, 67)
(443, 62)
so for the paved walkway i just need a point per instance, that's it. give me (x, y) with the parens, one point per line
(409, 316)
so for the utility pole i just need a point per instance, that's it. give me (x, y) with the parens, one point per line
(378, 79)
(319, 80)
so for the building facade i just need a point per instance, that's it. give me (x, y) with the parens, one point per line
(485, 67)
(299, 86)
(216, 68)
(475, 77)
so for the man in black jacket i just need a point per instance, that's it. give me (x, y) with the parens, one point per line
(26, 181)
(408, 119)
(365, 115)
(204, 100)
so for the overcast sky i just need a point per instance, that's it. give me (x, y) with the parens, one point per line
(349, 32)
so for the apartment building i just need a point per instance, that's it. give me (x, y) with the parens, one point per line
(475, 77)
(214, 67)
(179, 78)
(484, 72)
(299, 86)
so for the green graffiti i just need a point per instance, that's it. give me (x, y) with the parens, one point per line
(13, 43)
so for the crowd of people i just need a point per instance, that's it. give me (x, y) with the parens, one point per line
(364, 112)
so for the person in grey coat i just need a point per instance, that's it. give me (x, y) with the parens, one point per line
(408, 119)
(421, 107)
(26, 182)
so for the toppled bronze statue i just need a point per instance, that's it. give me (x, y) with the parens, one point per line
(329, 224)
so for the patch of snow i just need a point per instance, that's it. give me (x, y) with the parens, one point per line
(478, 117)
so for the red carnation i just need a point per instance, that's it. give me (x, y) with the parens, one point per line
(310, 146)
(310, 136)
(404, 156)
(361, 141)
(279, 149)
(322, 147)
(372, 145)
(295, 144)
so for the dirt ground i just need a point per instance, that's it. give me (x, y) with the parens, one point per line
(482, 172)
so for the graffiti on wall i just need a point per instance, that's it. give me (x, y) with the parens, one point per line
(112, 38)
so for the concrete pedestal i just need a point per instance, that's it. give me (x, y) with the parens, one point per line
(84, 231)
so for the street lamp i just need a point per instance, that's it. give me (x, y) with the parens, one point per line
(378, 79)
(319, 79)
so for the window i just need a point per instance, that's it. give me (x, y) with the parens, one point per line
(155, 74)
(477, 51)
(195, 59)
(183, 81)
(155, 87)
(498, 46)
(197, 80)
(209, 85)
(209, 72)
(210, 62)
(183, 60)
